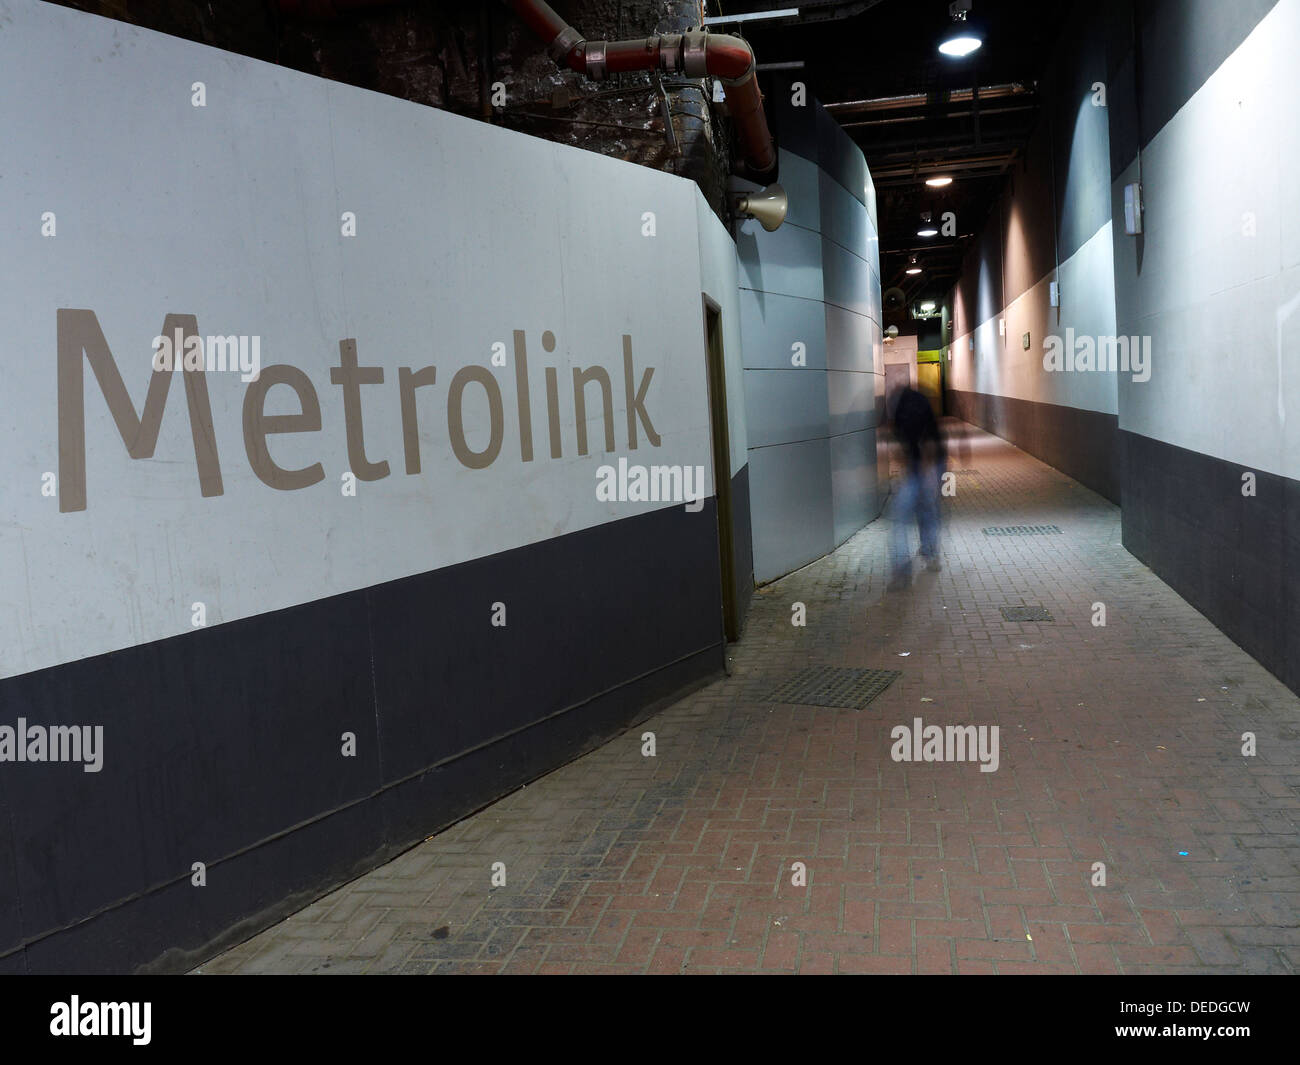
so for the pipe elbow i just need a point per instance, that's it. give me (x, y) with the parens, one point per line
(727, 57)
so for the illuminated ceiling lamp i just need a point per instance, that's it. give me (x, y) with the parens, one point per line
(913, 267)
(927, 227)
(964, 36)
(939, 181)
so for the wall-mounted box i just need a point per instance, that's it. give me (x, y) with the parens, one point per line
(1133, 209)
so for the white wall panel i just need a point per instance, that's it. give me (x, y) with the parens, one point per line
(1217, 286)
(1000, 365)
(231, 212)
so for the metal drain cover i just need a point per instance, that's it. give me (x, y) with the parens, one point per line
(1026, 613)
(1021, 530)
(829, 686)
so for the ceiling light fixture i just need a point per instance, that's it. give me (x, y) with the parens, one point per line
(938, 182)
(963, 37)
(913, 267)
(927, 231)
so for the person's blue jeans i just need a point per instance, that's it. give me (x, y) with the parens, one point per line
(917, 500)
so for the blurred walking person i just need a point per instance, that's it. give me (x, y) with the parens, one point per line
(925, 460)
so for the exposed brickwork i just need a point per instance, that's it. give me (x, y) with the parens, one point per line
(1119, 744)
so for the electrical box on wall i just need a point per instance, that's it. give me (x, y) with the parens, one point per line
(1024, 341)
(1133, 209)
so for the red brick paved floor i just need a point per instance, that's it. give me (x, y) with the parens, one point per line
(1118, 744)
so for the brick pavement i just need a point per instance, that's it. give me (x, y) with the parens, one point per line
(1118, 744)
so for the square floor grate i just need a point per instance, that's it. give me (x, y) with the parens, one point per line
(828, 686)
(1021, 530)
(1026, 613)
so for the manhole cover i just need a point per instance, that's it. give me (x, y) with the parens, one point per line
(1026, 613)
(1021, 530)
(828, 686)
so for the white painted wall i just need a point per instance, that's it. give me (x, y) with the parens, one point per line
(1000, 365)
(231, 212)
(1222, 305)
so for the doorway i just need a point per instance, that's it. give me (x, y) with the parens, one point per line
(929, 382)
(717, 374)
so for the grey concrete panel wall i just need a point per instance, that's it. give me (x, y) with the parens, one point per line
(772, 324)
(853, 342)
(853, 481)
(844, 218)
(850, 395)
(784, 406)
(791, 506)
(838, 157)
(816, 282)
(787, 262)
(802, 182)
(848, 281)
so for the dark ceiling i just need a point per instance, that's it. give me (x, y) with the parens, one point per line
(873, 63)
(858, 55)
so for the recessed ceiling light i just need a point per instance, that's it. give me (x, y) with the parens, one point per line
(938, 182)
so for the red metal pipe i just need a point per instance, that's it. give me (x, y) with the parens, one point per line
(694, 54)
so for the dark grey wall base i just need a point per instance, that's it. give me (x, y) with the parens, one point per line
(223, 746)
(1082, 444)
(1235, 558)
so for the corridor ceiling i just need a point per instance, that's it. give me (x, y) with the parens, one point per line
(875, 64)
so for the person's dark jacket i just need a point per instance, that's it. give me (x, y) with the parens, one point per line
(917, 430)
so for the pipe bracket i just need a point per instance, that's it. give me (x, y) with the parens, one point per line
(695, 62)
(597, 60)
(565, 42)
(670, 52)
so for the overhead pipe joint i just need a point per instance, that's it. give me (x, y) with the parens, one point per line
(694, 54)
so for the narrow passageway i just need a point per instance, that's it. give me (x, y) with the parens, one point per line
(1119, 755)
